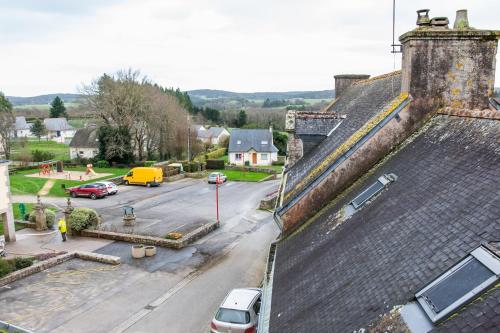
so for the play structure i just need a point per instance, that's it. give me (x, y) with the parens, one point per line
(90, 170)
(55, 170)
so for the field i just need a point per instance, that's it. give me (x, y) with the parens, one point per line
(60, 150)
(20, 184)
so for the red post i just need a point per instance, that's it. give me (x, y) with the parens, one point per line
(217, 198)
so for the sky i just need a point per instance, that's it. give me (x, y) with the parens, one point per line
(55, 46)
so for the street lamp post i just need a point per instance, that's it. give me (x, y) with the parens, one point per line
(217, 182)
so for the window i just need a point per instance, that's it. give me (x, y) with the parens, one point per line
(263, 157)
(372, 190)
(264, 142)
(81, 152)
(237, 156)
(256, 306)
(238, 142)
(233, 316)
(459, 284)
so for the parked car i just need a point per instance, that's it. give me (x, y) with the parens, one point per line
(212, 177)
(144, 176)
(239, 312)
(110, 186)
(92, 191)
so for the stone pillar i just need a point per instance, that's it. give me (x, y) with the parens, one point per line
(6, 213)
(40, 218)
(67, 217)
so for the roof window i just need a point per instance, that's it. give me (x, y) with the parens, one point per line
(238, 142)
(264, 142)
(372, 190)
(459, 284)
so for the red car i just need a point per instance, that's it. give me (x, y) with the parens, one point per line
(92, 191)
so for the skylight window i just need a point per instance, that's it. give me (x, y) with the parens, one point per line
(372, 190)
(238, 142)
(264, 142)
(459, 284)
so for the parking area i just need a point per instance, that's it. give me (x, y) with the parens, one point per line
(175, 207)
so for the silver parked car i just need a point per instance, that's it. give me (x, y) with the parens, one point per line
(239, 312)
(212, 177)
(110, 187)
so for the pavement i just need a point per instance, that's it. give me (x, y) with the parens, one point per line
(174, 291)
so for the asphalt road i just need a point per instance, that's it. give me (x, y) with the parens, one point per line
(175, 291)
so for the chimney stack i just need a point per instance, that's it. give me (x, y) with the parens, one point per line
(445, 67)
(342, 82)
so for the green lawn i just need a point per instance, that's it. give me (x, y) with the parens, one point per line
(277, 168)
(243, 176)
(17, 213)
(60, 150)
(20, 184)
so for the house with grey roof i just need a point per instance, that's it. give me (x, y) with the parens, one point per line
(252, 147)
(391, 222)
(22, 128)
(85, 143)
(59, 130)
(213, 135)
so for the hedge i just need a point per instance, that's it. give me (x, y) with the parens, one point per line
(215, 164)
(216, 153)
(82, 218)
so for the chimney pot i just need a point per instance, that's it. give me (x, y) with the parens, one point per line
(461, 21)
(423, 17)
(440, 22)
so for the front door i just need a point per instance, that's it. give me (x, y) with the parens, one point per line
(254, 158)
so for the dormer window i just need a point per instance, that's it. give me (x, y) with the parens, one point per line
(264, 142)
(238, 142)
(372, 190)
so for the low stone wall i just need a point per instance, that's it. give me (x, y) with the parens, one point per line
(201, 174)
(116, 180)
(151, 240)
(174, 178)
(270, 177)
(268, 203)
(26, 224)
(45, 264)
(250, 169)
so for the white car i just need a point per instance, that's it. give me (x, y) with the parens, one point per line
(239, 312)
(110, 186)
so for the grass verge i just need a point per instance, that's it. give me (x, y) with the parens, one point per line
(243, 176)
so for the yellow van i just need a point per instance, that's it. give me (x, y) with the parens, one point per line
(144, 176)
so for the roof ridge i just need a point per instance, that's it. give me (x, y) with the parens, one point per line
(378, 77)
(480, 114)
(347, 144)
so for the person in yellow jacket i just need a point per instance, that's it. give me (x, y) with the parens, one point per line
(62, 228)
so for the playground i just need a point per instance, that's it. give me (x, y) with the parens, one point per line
(55, 170)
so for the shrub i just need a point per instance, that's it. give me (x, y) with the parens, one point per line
(50, 217)
(102, 164)
(217, 153)
(20, 262)
(82, 218)
(5, 267)
(41, 155)
(149, 163)
(215, 164)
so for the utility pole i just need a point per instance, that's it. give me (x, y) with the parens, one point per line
(217, 182)
(189, 139)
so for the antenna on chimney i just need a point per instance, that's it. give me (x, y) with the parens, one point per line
(396, 48)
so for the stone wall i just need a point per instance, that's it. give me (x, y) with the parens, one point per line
(151, 240)
(45, 264)
(344, 81)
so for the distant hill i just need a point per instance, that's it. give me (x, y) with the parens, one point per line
(43, 99)
(213, 94)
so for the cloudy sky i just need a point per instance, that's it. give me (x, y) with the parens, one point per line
(49, 46)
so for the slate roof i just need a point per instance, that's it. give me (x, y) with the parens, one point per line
(57, 124)
(339, 276)
(85, 138)
(358, 103)
(21, 124)
(315, 123)
(212, 132)
(495, 102)
(251, 139)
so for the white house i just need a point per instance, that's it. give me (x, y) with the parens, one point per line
(252, 147)
(85, 143)
(59, 130)
(6, 213)
(22, 128)
(213, 135)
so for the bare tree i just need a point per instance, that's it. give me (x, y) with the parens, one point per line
(6, 125)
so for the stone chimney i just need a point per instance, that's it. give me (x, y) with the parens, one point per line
(444, 67)
(344, 81)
